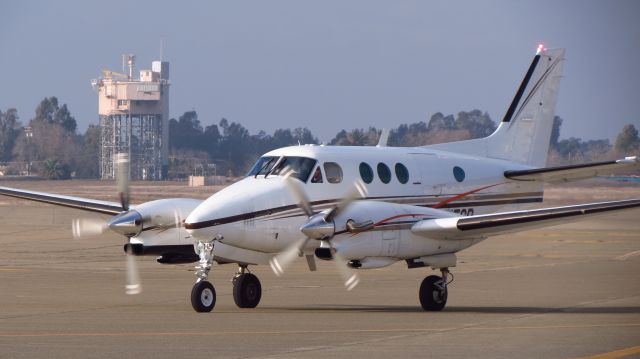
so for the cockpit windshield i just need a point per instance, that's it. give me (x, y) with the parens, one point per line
(263, 166)
(301, 167)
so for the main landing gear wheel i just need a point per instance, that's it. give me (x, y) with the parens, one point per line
(433, 293)
(203, 297)
(247, 290)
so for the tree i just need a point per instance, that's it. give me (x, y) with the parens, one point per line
(304, 136)
(186, 132)
(48, 111)
(211, 138)
(281, 138)
(47, 140)
(555, 132)
(627, 140)
(439, 122)
(64, 118)
(478, 124)
(88, 163)
(228, 144)
(357, 137)
(9, 131)
(54, 169)
(234, 145)
(441, 128)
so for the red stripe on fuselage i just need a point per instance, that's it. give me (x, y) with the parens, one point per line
(400, 216)
(462, 195)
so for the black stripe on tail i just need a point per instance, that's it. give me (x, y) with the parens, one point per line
(523, 86)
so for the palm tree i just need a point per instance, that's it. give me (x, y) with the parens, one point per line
(54, 169)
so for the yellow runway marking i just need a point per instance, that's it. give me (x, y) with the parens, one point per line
(616, 354)
(293, 332)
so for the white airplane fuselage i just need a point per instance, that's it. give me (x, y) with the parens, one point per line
(258, 213)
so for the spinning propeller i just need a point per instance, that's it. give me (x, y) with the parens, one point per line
(319, 226)
(133, 286)
(127, 223)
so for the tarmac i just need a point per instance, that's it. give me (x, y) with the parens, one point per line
(562, 292)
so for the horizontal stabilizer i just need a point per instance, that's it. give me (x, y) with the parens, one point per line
(86, 204)
(574, 172)
(482, 226)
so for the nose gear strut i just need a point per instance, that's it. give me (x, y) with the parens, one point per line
(203, 294)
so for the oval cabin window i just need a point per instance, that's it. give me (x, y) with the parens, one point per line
(458, 174)
(366, 172)
(384, 173)
(402, 173)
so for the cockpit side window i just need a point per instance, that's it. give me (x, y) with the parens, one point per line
(301, 167)
(317, 176)
(263, 166)
(333, 171)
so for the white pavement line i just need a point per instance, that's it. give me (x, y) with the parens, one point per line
(628, 255)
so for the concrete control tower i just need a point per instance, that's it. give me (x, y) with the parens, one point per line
(133, 116)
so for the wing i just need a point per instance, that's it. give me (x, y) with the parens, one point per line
(507, 222)
(84, 204)
(574, 172)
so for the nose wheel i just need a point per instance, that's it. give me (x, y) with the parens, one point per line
(203, 297)
(433, 291)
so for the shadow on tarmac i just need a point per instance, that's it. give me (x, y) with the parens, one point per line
(467, 309)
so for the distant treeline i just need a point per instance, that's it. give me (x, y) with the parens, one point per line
(52, 146)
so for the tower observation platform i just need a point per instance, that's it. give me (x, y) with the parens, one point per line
(133, 119)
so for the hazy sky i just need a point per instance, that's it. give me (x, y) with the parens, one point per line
(328, 65)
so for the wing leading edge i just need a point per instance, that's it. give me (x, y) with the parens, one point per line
(84, 204)
(507, 222)
(574, 172)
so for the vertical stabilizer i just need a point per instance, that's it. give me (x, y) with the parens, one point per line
(525, 131)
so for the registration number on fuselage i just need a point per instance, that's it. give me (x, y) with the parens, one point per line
(463, 211)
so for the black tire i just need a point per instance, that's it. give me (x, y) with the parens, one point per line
(203, 297)
(247, 290)
(431, 297)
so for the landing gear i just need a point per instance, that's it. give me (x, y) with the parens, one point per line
(203, 297)
(247, 290)
(433, 291)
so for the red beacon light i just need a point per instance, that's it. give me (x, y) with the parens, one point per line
(540, 49)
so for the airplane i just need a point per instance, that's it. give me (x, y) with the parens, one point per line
(360, 207)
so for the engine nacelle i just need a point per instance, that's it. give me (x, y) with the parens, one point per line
(165, 213)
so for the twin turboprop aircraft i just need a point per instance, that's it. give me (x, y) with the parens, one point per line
(360, 207)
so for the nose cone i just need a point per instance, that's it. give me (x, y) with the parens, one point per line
(236, 203)
(128, 223)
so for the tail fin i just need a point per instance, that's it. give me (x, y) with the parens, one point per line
(525, 131)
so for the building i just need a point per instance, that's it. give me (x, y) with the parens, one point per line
(133, 116)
